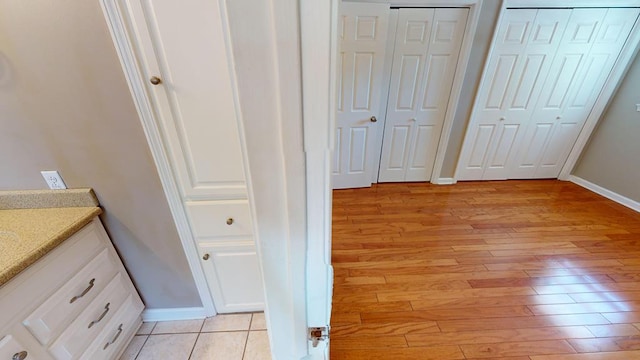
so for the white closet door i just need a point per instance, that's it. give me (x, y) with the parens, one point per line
(526, 41)
(363, 36)
(427, 45)
(588, 51)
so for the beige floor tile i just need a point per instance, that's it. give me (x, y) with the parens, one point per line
(258, 322)
(257, 346)
(146, 328)
(232, 322)
(177, 327)
(134, 347)
(220, 346)
(169, 347)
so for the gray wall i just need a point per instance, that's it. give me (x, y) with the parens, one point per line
(65, 105)
(612, 157)
(481, 43)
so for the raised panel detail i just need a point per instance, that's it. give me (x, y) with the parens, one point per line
(583, 33)
(536, 145)
(565, 77)
(436, 76)
(337, 152)
(562, 137)
(515, 32)
(416, 31)
(399, 143)
(445, 31)
(597, 69)
(481, 146)
(366, 27)
(423, 139)
(357, 149)
(408, 81)
(544, 33)
(505, 144)
(340, 86)
(500, 82)
(528, 80)
(362, 77)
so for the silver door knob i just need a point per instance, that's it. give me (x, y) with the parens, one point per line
(373, 119)
(502, 118)
(205, 257)
(155, 80)
(20, 356)
(558, 117)
(412, 119)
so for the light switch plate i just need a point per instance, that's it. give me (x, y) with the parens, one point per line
(53, 179)
(638, 107)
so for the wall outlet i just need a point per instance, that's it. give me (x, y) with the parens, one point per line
(53, 179)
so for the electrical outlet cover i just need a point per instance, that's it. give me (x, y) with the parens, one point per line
(54, 180)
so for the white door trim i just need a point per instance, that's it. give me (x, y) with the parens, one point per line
(621, 66)
(117, 25)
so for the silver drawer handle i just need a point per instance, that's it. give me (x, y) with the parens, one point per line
(20, 356)
(91, 283)
(106, 310)
(114, 338)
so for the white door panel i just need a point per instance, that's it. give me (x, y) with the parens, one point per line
(427, 46)
(363, 36)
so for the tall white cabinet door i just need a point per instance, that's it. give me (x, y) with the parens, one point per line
(525, 44)
(427, 46)
(589, 49)
(194, 99)
(363, 35)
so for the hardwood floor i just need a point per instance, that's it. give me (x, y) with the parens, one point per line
(512, 270)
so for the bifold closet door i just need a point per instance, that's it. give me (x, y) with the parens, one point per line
(427, 46)
(546, 70)
(363, 37)
(588, 50)
(526, 41)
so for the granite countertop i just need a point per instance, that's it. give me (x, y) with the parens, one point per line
(32, 223)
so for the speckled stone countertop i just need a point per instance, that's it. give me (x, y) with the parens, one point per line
(32, 223)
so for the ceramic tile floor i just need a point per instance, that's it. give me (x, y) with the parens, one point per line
(224, 337)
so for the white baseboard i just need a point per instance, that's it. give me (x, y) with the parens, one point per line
(632, 204)
(444, 181)
(171, 314)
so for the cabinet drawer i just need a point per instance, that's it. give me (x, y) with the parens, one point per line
(228, 265)
(117, 332)
(48, 320)
(84, 329)
(220, 218)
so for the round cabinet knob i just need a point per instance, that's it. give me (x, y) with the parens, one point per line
(229, 221)
(155, 80)
(373, 119)
(502, 118)
(20, 356)
(558, 117)
(205, 257)
(412, 119)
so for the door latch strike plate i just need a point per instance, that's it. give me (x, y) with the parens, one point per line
(317, 334)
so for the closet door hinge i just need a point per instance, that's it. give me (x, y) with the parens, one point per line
(317, 334)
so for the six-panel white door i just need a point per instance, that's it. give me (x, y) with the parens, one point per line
(427, 45)
(588, 50)
(363, 36)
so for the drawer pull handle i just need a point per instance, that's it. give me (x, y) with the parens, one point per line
(229, 221)
(104, 313)
(20, 356)
(115, 338)
(91, 283)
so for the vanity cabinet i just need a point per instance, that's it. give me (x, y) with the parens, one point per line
(76, 302)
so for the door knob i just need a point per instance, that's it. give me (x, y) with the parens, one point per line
(558, 117)
(205, 257)
(155, 80)
(412, 119)
(502, 118)
(373, 119)
(229, 221)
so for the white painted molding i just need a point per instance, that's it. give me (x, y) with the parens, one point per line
(119, 28)
(456, 90)
(622, 200)
(444, 181)
(174, 314)
(422, 3)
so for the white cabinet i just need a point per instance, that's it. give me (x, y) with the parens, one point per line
(70, 301)
(184, 52)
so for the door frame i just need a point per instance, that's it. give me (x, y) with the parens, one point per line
(458, 81)
(627, 54)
